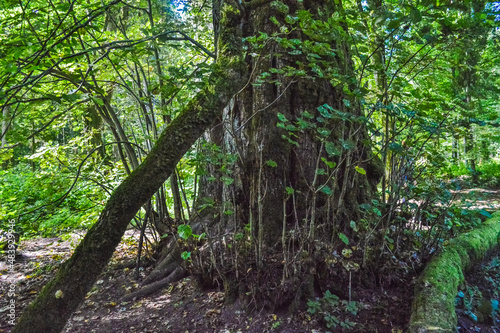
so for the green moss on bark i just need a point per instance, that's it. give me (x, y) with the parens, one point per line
(433, 308)
(52, 308)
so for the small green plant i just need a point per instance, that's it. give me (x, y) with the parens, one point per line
(186, 233)
(333, 311)
(41, 205)
(474, 305)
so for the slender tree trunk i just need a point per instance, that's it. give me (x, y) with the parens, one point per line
(94, 124)
(5, 124)
(174, 185)
(455, 150)
(5, 128)
(61, 296)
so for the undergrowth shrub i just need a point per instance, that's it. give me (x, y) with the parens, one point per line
(32, 198)
(488, 173)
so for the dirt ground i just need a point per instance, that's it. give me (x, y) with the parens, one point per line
(477, 302)
(182, 307)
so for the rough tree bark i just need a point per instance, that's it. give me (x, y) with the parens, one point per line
(61, 296)
(269, 241)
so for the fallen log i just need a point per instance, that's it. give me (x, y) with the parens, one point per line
(433, 308)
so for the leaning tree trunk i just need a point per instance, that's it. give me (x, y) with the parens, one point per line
(61, 296)
(288, 189)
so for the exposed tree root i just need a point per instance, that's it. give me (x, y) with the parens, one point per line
(167, 263)
(433, 308)
(176, 275)
(168, 267)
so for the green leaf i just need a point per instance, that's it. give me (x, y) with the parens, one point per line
(306, 114)
(353, 226)
(344, 238)
(289, 190)
(327, 190)
(185, 255)
(71, 97)
(97, 100)
(282, 117)
(331, 149)
(348, 144)
(199, 237)
(324, 112)
(415, 15)
(394, 24)
(272, 164)
(321, 171)
(227, 180)
(329, 164)
(184, 231)
(324, 132)
(365, 206)
(360, 170)
(485, 213)
(494, 304)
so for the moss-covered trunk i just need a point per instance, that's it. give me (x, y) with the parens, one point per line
(433, 308)
(61, 296)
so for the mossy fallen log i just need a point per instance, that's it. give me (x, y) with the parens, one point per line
(433, 308)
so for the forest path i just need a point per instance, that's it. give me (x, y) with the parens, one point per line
(479, 198)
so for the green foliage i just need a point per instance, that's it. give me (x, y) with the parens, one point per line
(424, 81)
(184, 231)
(69, 89)
(186, 255)
(474, 305)
(333, 311)
(487, 172)
(27, 195)
(212, 155)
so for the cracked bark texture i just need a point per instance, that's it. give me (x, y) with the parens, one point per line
(257, 198)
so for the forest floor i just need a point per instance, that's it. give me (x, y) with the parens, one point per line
(181, 308)
(477, 303)
(184, 308)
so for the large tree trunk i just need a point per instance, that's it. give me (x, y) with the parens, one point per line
(281, 207)
(61, 296)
